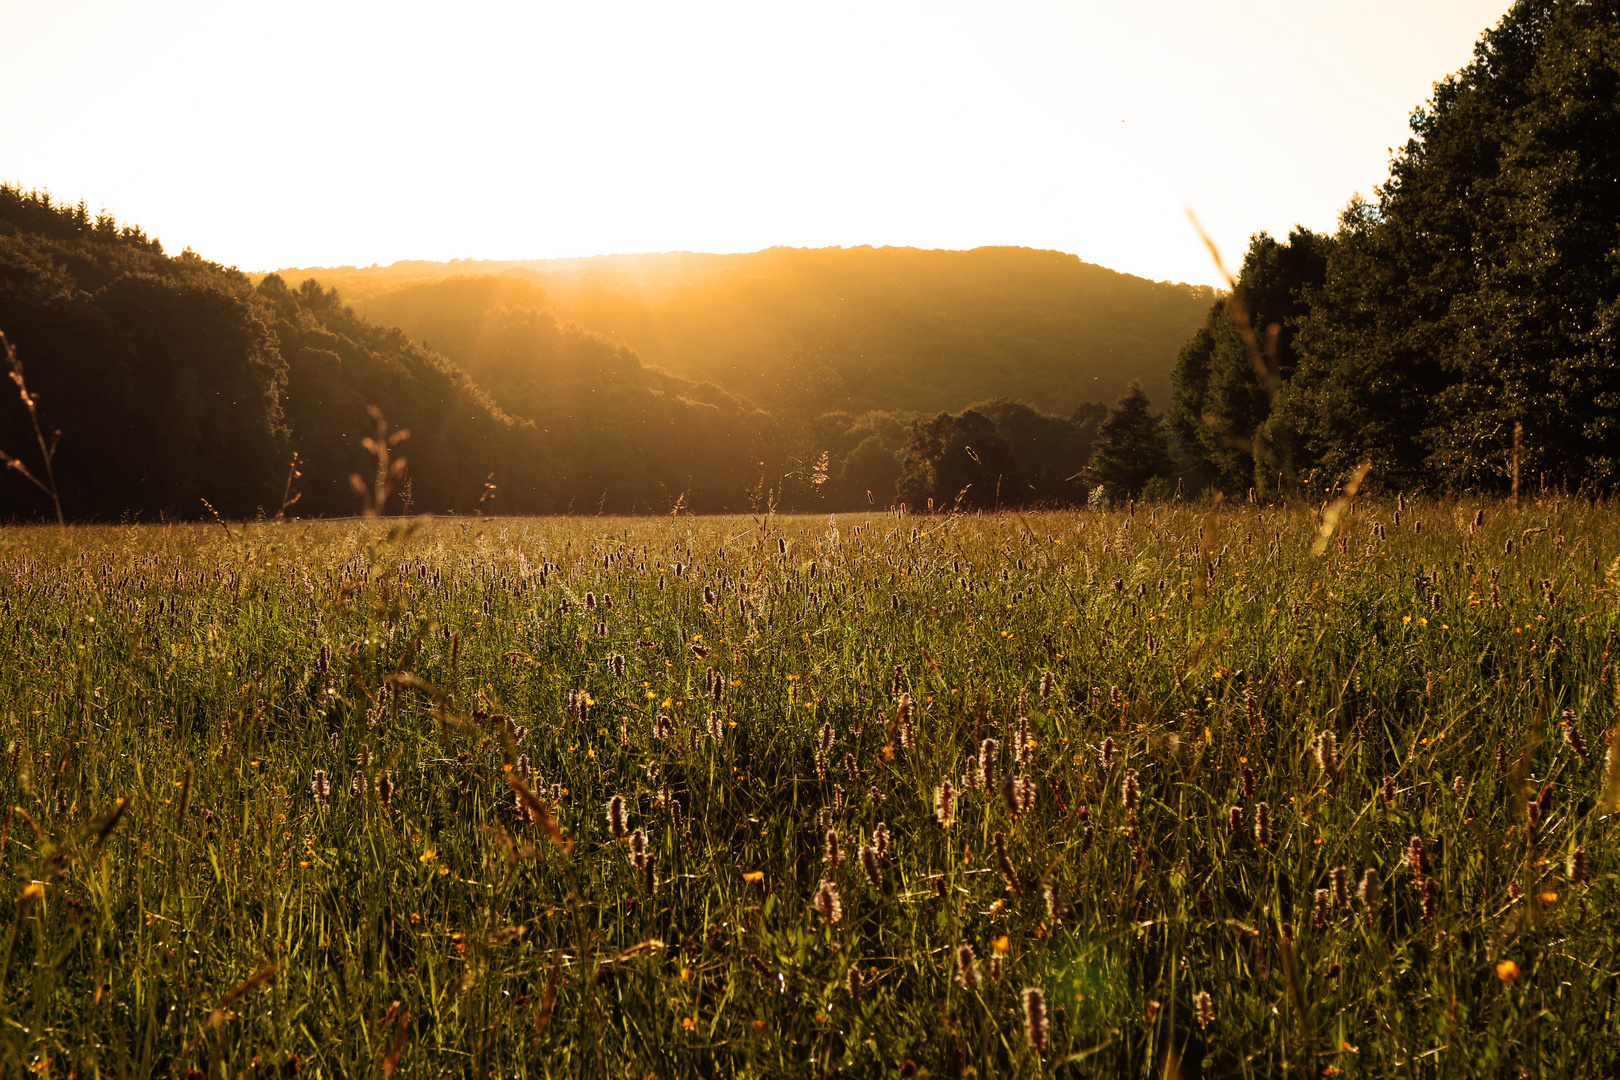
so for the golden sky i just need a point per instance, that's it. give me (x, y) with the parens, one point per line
(308, 133)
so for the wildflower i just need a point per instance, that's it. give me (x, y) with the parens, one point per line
(1248, 784)
(1205, 1008)
(1130, 795)
(1035, 1027)
(1507, 970)
(967, 966)
(1386, 793)
(829, 905)
(1262, 824)
(321, 788)
(1459, 788)
(944, 799)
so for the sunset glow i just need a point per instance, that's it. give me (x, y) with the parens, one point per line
(329, 133)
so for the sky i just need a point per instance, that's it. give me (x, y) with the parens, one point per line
(343, 132)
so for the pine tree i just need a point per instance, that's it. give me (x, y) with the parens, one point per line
(1131, 447)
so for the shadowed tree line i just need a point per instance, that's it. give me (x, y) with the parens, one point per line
(1462, 328)
(176, 386)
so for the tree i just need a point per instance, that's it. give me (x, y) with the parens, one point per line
(1131, 447)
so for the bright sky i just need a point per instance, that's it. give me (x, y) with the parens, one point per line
(327, 132)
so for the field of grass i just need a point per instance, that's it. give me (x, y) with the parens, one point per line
(342, 798)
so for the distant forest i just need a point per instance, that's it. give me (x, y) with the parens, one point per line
(180, 387)
(1461, 331)
(802, 332)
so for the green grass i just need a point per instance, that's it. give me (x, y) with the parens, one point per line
(220, 915)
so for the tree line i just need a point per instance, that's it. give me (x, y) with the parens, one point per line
(174, 387)
(1460, 330)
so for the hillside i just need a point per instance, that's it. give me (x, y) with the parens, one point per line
(804, 331)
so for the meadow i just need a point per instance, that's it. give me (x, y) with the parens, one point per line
(1150, 791)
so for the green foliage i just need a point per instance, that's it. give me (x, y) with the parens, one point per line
(1226, 375)
(1131, 447)
(184, 894)
(996, 455)
(1479, 292)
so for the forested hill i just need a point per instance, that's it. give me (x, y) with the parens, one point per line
(806, 331)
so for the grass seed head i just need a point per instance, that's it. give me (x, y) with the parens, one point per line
(829, 905)
(1205, 1008)
(967, 966)
(945, 803)
(615, 817)
(1035, 1024)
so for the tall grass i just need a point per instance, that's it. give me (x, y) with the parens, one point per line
(335, 797)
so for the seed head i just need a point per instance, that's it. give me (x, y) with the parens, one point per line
(831, 856)
(880, 839)
(385, 788)
(1046, 686)
(852, 982)
(967, 966)
(1234, 821)
(1035, 1026)
(1130, 795)
(1262, 824)
(1459, 787)
(945, 803)
(1417, 857)
(1576, 868)
(1327, 752)
(826, 737)
(1205, 1008)
(615, 817)
(1105, 754)
(828, 903)
(638, 848)
(1004, 862)
(1572, 735)
(1341, 887)
(1371, 891)
(869, 864)
(321, 788)
(1324, 904)
(1248, 784)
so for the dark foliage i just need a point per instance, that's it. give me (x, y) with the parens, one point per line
(1131, 447)
(1479, 293)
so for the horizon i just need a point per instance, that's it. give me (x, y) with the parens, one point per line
(355, 135)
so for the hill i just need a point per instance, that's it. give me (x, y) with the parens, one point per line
(804, 331)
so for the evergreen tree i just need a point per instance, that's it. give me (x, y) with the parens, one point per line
(1131, 447)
